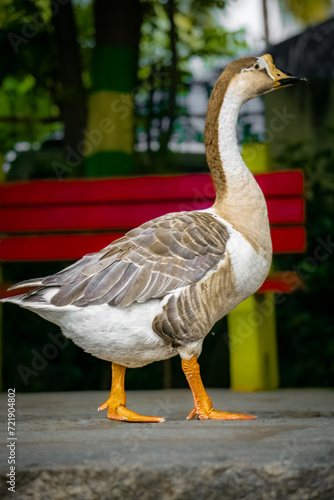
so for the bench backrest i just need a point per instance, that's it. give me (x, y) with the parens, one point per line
(51, 220)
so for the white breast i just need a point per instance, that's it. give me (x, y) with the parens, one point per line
(250, 268)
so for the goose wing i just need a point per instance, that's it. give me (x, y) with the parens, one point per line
(149, 262)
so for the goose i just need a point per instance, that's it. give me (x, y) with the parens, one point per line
(156, 292)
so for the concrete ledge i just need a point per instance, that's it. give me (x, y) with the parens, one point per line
(67, 450)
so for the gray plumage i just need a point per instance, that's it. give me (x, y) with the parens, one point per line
(151, 261)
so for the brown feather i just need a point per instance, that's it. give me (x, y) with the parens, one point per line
(151, 261)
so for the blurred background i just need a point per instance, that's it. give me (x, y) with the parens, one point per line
(59, 57)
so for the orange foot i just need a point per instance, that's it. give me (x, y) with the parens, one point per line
(119, 412)
(212, 414)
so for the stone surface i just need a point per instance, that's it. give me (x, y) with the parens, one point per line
(65, 449)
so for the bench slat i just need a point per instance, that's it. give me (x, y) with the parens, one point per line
(122, 216)
(282, 282)
(288, 239)
(191, 186)
(71, 247)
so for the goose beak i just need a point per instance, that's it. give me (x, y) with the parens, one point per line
(285, 79)
(281, 79)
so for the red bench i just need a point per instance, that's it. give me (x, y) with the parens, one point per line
(49, 220)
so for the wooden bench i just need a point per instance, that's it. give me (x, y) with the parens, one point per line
(49, 220)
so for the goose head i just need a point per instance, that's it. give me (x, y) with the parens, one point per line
(253, 76)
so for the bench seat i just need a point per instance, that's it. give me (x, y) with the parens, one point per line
(51, 220)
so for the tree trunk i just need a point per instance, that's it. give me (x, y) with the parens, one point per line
(117, 22)
(265, 19)
(72, 98)
(166, 134)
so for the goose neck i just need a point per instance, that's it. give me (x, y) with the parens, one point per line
(232, 178)
(239, 199)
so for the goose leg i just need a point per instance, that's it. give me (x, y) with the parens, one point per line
(116, 401)
(203, 405)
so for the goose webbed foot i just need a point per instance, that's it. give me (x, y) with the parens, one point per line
(218, 415)
(203, 405)
(116, 401)
(118, 411)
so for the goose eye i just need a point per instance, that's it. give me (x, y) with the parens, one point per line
(256, 66)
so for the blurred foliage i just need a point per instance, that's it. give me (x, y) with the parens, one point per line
(305, 318)
(30, 88)
(307, 11)
(173, 33)
(199, 33)
(29, 68)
